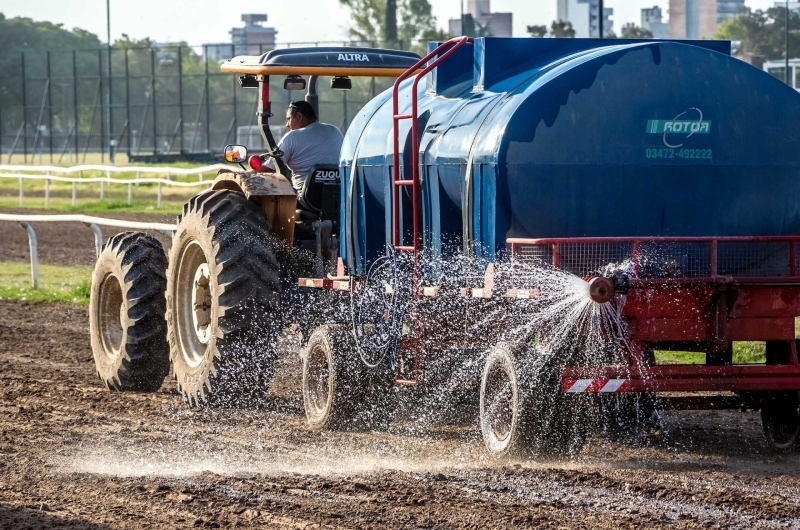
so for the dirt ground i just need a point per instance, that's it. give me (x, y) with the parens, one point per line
(65, 244)
(74, 455)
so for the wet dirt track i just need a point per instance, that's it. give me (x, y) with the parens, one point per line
(73, 455)
(65, 244)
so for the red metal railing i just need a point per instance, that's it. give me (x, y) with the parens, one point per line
(558, 245)
(450, 46)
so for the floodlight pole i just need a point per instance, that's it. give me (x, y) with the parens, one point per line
(600, 18)
(110, 91)
(786, 37)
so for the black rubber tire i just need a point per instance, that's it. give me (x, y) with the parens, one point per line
(523, 410)
(126, 313)
(339, 391)
(781, 420)
(233, 363)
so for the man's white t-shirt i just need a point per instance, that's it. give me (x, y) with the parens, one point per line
(316, 143)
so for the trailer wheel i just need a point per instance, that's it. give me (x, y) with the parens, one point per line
(223, 284)
(781, 421)
(523, 410)
(126, 310)
(339, 392)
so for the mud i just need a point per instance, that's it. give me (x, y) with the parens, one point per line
(74, 455)
(65, 244)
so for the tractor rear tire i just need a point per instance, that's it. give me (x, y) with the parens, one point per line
(339, 391)
(781, 420)
(126, 313)
(223, 286)
(523, 410)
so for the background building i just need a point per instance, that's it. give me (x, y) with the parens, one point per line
(498, 24)
(700, 19)
(653, 21)
(253, 37)
(585, 17)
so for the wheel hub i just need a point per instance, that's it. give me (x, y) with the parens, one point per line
(318, 375)
(201, 302)
(111, 315)
(193, 304)
(500, 405)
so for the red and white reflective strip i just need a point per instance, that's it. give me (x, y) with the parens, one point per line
(575, 386)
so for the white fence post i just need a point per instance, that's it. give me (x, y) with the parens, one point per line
(98, 237)
(34, 256)
(159, 195)
(20, 191)
(47, 194)
(74, 192)
(102, 190)
(130, 194)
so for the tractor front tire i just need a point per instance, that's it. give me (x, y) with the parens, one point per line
(126, 313)
(223, 286)
(339, 391)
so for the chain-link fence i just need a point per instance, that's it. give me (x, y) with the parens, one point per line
(166, 102)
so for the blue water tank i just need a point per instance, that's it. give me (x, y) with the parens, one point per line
(579, 137)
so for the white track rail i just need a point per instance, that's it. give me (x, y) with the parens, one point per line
(92, 222)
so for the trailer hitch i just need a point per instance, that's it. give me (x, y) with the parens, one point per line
(602, 289)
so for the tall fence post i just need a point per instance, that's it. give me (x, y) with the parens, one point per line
(153, 92)
(34, 256)
(24, 115)
(208, 106)
(74, 193)
(159, 196)
(180, 94)
(128, 101)
(20, 191)
(49, 108)
(102, 107)
(47, 193)
(75, 103)
(130, 194)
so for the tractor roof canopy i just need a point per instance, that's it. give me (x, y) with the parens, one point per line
(328, 61)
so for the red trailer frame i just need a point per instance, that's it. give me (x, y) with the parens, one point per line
(728, 289)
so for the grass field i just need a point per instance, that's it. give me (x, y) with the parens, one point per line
(743, 353)
(56, 284)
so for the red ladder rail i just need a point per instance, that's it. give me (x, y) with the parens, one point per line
(451, 46)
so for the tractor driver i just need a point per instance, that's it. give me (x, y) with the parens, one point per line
(307, 143)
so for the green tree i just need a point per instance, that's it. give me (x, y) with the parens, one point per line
(761, 33)
(415, 22)
(635, 32)
(18, 35)
(537, 32)
(562, 29)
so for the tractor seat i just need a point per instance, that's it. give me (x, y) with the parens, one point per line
(319, 197)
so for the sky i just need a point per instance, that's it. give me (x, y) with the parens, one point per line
(208, 21)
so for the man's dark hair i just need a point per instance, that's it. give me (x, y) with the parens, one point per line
(304, 108)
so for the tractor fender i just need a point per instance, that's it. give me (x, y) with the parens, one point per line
(271, 191)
